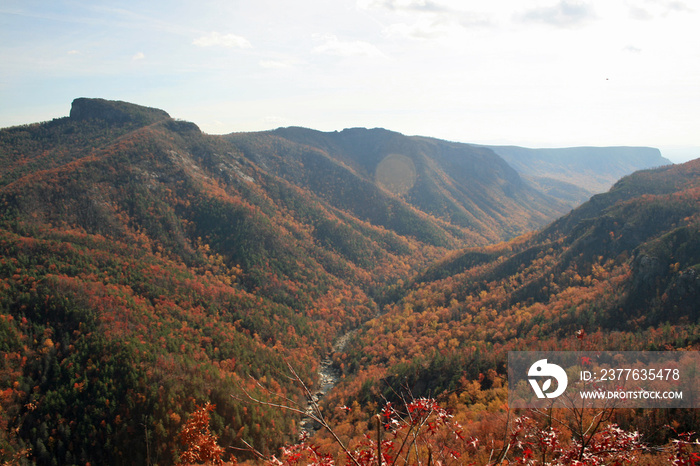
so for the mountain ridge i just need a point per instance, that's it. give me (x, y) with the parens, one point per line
(576, 173)
(486, 184)
(147, 268)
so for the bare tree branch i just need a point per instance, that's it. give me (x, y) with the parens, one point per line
(316, 415)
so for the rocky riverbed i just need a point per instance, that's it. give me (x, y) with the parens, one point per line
(327, 378)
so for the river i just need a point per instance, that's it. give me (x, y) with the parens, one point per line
(328, 376)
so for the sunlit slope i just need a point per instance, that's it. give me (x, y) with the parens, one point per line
(474, 194)
(624, 267)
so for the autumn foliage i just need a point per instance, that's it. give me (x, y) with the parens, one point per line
(199, 444)
(149, 271)
(423, 432)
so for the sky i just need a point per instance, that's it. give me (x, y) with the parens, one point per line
(534, 73)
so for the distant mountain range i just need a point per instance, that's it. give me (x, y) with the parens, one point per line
(575, 174)
(147, 268)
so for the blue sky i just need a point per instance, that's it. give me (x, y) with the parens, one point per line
(536, 73)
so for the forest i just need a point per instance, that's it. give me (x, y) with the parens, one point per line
(168, 297)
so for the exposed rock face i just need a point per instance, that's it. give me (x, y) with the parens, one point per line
(646, 270)
(114, 111)
(182, 127)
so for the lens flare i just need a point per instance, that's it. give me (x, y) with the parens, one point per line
(396, 173)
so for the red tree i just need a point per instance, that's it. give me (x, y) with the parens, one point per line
(200, 445)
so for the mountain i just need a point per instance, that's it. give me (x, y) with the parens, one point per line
(147, 268)
(621, 272)
(624, 267)
(138, 280)
(575, 174)
(439, 192)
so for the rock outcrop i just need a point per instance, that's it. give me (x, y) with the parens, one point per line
(114, 111)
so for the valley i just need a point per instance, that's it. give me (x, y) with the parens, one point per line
(147, 268)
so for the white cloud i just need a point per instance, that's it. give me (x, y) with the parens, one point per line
(652, 9)
(216, 39)
(428, 19)
(334, 46)
(640, 13)
(679, 6)
(139, 56)
(422, 29)
(563, 14)
(431, 27)
(396, 5)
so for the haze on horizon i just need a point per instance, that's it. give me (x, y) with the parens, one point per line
(535, 73)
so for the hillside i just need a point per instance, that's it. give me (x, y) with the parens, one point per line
(621, 272)
(463, 186)
(626, 261)
(574, 174)
(147, 268)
